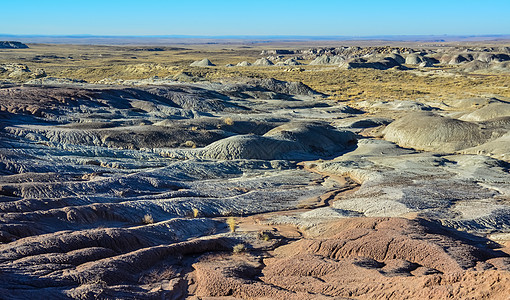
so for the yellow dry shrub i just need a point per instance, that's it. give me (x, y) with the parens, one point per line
(228, 121)
(147, 219)
(239, 248)
(231, 222)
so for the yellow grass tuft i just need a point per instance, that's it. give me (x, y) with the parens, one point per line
(228, 121)
(190, 144)
(147, 219)
(231, 222)
(239, 248)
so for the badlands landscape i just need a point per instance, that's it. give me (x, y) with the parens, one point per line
(354, 170)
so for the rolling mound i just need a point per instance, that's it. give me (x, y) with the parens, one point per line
(251, 147)
(289, 141)
(317, 137)
(490, 111)
(498, 148)
(431, 132)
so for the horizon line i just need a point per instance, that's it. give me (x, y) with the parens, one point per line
(241, 36)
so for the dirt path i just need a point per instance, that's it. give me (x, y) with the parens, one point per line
(259, 222)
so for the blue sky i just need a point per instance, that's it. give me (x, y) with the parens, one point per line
(259, 17)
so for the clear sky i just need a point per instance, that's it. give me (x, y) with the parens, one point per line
(259, 17)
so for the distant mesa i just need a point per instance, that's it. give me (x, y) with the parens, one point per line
(373, 63)
(327, 60)
(202, 63)
(12, 45)
(277, 52)
(157, 49)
